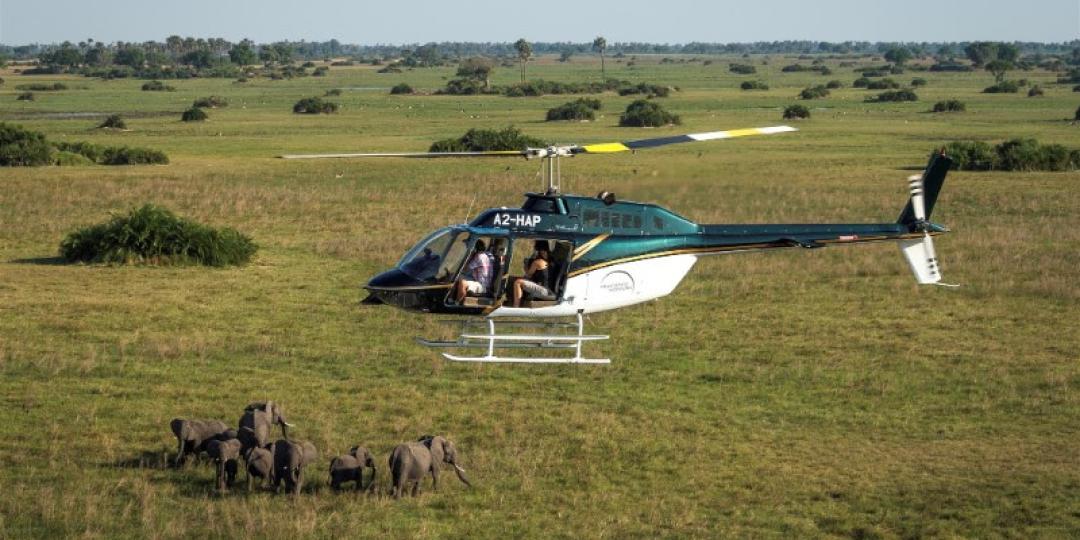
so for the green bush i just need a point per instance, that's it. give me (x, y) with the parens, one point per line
(154, 235)
(25, 96)
(861, 82)
(582, 109)
(333, 92)
(650, 90)
(796, 112)
(1077, 117)
(157, 86)
(918, 81)
(1013, 155)
(42, 87)
(465, 87)
(1003, 87)
(834, 84)
(314, 105)
(21, 147)
(480, 140)
(952, 105)
(754, 85)
(894, 95)
(113, 121)
(114, 155)
(194, 114)
(814, 92)
(211, 102)
(742, 69)
(970, 155)
(391, 68)
(1076, 88)
(882, 84)
(401, 88)
(320, 71)
(1036, 91)
(642, 113)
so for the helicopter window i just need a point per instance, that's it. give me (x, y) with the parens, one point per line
(437, 256)
(543, 204)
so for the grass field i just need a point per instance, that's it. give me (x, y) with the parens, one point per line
(799, 393)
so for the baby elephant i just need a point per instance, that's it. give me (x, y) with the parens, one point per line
(350, 468)
(290, 458)
(260, 464)
(192, 435)
(411, 461)
(226, 454)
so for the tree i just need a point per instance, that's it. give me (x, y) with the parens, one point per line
(999, 68)
(898, 55)
(476, 68)
(524, 51)
(981, 52)
(132, 56)
(242, 54)
(200, 58)
(599, 45)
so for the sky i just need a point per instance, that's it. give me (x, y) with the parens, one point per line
(656, 21)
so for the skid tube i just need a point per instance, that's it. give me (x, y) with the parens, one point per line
(541, 339)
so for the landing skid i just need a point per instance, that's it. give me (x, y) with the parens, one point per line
(544, 336)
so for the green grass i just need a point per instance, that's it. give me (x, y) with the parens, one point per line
(802, 393)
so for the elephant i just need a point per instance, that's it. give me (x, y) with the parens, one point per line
(411, 461)
(350, 468)
(226, 454)
(260, 464)
(258, 421)
(290, 459)
(192, 435)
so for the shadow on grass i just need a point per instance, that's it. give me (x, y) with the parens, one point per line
(48, 261)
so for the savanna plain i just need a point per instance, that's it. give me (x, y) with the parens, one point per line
(806, 393)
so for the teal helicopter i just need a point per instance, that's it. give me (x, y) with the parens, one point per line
(603, 253)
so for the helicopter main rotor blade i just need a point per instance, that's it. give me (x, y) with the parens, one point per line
(607, 148)
(427, 155)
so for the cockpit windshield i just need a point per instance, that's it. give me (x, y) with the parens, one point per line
(437, 257)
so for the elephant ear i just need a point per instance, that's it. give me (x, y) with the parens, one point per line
(438, 448)
(177, 426)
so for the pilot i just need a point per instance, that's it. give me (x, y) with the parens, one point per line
(477, 278)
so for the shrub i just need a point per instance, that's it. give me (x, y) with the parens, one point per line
(42, 87)
(1014, 155)
(320, 71)
(154, 235)
(814, 92)
(1076, 88)
(333, 92)
(796, 112)
(25, 96)
(971, 155)
(391, 68)
(464, 87)
(90, 151)
(480, 140)
(1003, 87)
(157, 86)
(1035, 91)
(401, 88)
(882, 84)
(314, 105)
(650, 90)
(582, 109)
(21, 147)
(861, 82)
(642, 113)
(918, 81)
(834, 84)
(211, 102)
(875, 73)
(951, 66)
(194, 114)
(742, 69)
(754, 85)
(895, 95)
(123, 155)
(1077, 117)
(70, 159)
(113, 121)
(952, 105)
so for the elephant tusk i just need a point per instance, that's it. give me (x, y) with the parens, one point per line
(459, 467)
(287, 424)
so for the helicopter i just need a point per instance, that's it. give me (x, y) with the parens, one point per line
(605, 253)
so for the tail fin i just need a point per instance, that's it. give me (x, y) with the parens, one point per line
(933, 178)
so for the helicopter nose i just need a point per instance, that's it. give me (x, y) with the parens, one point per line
(395, 288)
(391, 279)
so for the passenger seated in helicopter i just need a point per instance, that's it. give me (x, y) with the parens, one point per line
(476, 280)
(537, 280)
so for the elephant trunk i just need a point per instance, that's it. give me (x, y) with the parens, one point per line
(461, 474)
(371, 483)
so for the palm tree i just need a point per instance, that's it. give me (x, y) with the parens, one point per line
(599, 44)
(524, 50)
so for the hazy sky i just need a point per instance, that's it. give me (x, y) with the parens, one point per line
(659, 21)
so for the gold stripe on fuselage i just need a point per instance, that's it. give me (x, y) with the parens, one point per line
(587, 246)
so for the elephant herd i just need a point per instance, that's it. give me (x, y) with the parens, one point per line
(284, 460)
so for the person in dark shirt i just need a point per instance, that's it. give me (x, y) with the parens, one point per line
(537, 278)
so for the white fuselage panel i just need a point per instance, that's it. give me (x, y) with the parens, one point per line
(612, 287)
